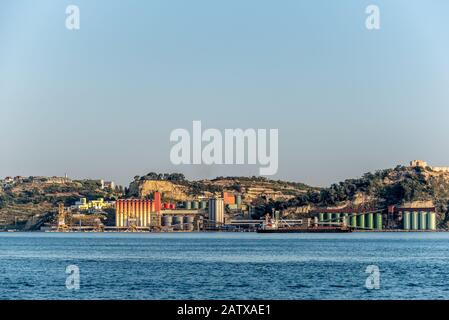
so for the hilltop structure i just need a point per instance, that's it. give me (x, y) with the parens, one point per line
(423, 164)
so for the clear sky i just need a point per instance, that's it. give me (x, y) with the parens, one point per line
(101, 102)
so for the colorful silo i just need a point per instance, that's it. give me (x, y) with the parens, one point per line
(414, 220)
(321, 216)
(238, 199)
(370, 221)
(431, 221)
(178, 222)
(406, 220)
(353, 220)
(422, 220)
(167, 220)
(361, 222)
(378, 221)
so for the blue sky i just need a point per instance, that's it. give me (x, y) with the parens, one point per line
(102, 101)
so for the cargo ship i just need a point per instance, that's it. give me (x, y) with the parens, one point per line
(273, 226)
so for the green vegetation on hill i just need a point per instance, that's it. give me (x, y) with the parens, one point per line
(380, 189)
(38, 198)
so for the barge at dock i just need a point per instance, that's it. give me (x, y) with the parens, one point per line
(305, 230)
(276, 226)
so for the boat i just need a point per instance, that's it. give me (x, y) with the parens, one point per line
(274, 226)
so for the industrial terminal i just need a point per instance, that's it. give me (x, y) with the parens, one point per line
(154, 215)
(411, 198)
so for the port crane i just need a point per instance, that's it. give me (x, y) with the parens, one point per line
(61, 219)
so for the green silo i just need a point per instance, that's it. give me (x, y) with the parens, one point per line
(337, 218)
(321, 215)
(423, 220)
(431, 221)
(361, 219)
(406, 220)
(378, 221)
(353, 220)
(370, 222)
(238, 199)
(328, 217)
(414, 220)
(345, 219)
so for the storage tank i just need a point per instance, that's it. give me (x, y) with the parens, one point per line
(276, 215)
(321, 216)
(188, 223)
(414, 221)
(336, 218)
(370, 221)
(353, 220)
(423, 220)
(187, 205)
(167, 220)
(406, 220)
(196, 205)
(177, 222)
(238, 199)
(431, 221)
(361, 218)
(345, 220)
(378, 224)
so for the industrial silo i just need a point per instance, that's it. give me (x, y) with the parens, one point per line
(336, 218)
(178, 222)
(406, 220)
(187, 205)
(345, 220)
(167, 220)
(203, 204)
(378, 224)
(423, 220)
(321, 216)
(361, 222)
(370, 221)
(188, 223)
(238, 199)
(415, 220)
(431, 221)
(353, 220)
(196, 205)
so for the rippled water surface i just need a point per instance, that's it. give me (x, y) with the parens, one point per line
(224, 265)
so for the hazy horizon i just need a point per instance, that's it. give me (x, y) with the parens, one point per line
(101, 102)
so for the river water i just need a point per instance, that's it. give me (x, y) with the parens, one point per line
(224, 266)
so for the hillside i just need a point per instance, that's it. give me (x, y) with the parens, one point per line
(33, 200)
(175, 187)
(402, 186)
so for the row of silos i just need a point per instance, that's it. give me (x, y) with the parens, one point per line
(178, 222)
(418, 220)
(195, 205)
(367, 221)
